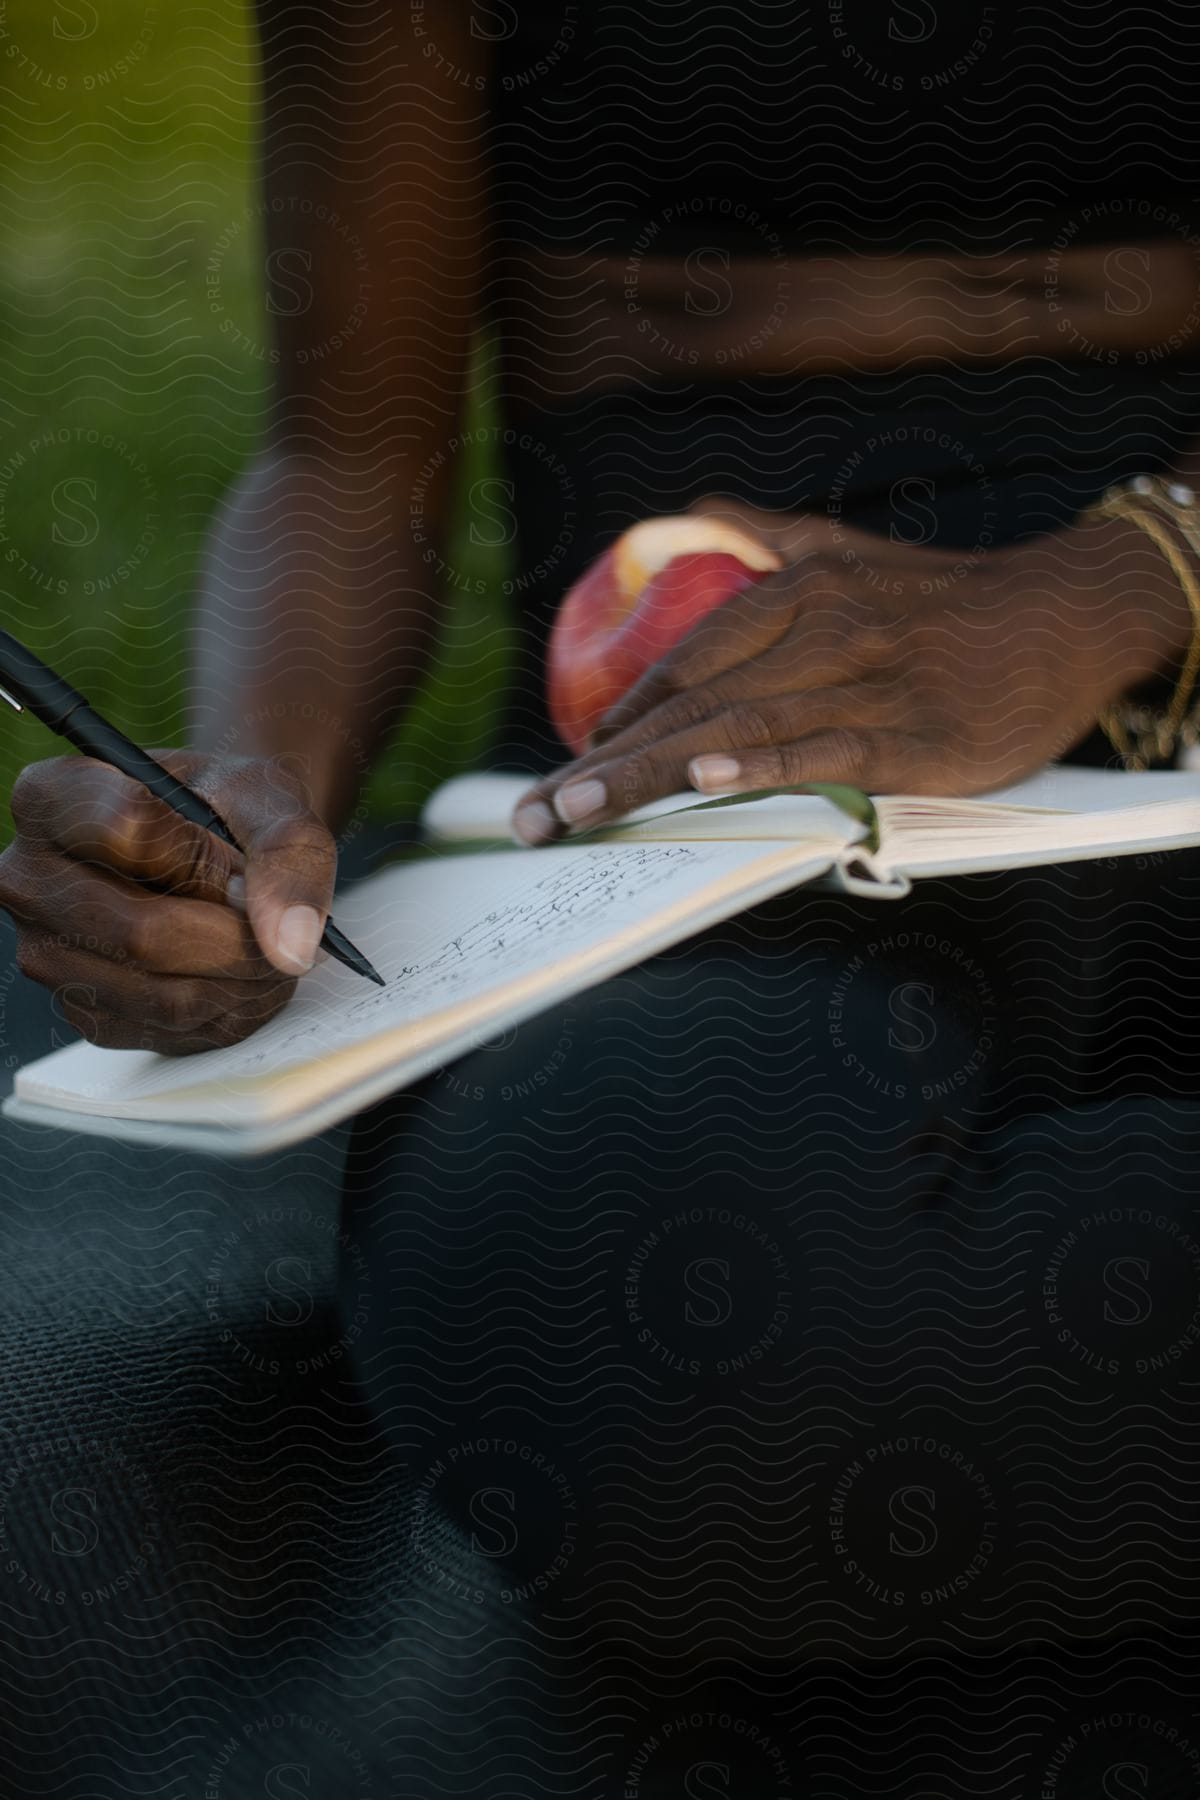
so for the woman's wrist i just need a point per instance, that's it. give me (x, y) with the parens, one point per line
(329, 752)
(315, 615)
(1110, 576)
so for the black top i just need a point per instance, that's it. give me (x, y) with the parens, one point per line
(883, 124)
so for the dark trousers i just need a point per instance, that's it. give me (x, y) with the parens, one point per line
(804, 1329)
(698, 1413)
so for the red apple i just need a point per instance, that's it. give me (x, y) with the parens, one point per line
(639, 598)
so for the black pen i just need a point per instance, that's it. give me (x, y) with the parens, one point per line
(29, 684)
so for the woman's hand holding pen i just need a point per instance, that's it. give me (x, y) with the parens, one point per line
(896, 668)
(154, 933)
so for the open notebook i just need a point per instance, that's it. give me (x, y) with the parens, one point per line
(473, 942)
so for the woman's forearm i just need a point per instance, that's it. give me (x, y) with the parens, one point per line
(318, 599)
(316, 614)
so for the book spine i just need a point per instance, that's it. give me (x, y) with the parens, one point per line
(860, 871)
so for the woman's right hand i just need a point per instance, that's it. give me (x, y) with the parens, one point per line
(152, 933)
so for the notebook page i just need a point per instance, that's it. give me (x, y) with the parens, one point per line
(1059, 788)
(456, 938)
(1059, 815)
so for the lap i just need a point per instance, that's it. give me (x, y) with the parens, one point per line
(803, 1292)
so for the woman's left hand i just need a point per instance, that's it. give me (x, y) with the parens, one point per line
(891, 667)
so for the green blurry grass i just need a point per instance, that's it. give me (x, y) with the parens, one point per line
(125, 136)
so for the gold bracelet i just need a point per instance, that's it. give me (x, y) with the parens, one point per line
(1179, 504)
(1138, 734)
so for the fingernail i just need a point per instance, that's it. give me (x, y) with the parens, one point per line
(579, 800)
(714, 772)
(235, 893)
(298, 936)
(534, 824)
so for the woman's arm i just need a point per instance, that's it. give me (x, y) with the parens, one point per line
(318, 601)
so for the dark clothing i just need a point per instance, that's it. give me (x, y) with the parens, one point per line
(800, 1330)
(842, 124)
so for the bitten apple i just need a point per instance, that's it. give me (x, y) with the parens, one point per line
(639, 598)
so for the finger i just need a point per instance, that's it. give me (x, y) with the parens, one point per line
(291, 858)
(125, 1008)
(821, 650)
(91, 909)
(100, 817)
(654, 769)
(879, 761)
(535, 819)
(733, 713)
(542, 816)
(813, 598)
(741, 627)
(77, 1004)
(750, 693)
